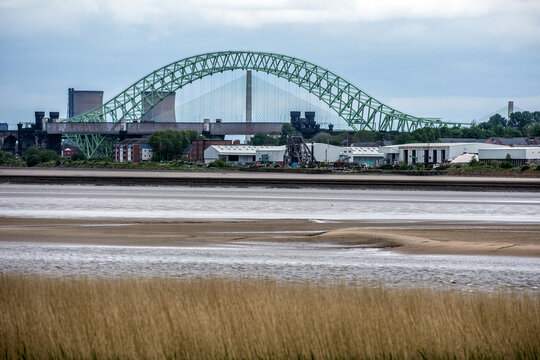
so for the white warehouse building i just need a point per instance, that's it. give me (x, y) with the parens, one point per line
(246, 154)
(431, 153)
(519, 155)
(236, 154)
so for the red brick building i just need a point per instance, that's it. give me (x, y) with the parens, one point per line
(132, 150)
(195, 151)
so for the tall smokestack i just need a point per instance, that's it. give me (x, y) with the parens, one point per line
(249, 109)
(510, 109)
(248, 96)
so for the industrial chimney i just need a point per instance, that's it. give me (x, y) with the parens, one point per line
(510, 109)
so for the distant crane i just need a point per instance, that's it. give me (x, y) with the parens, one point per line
(297, 151)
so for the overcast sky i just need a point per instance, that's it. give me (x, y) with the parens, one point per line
(458, 60)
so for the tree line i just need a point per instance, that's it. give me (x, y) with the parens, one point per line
(520, 124)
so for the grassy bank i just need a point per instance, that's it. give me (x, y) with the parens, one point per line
(160, 318)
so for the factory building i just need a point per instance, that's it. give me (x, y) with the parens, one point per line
(360, 155)
(367, 155)
(195, 151)
(83, 101)
(519, 155)
(132, 150)
(270, 154)
(246, 154)
(238, 154)
(430, 153)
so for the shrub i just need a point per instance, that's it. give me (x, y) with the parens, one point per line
(48, 155)
(78, 156)
(32, 150)
(36, 156)
(507, 163)
(218, 164)
(444, 166)
(8, 158)
(33, 160)
(525, 167)
(404, 166)
(475, 163)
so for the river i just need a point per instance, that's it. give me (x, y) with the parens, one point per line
(282, 261)
(229, 203)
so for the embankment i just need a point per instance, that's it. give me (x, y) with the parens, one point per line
(123, 177)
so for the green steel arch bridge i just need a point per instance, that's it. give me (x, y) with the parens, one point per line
(359, 110)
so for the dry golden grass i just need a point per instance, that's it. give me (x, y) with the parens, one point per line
(208, 319)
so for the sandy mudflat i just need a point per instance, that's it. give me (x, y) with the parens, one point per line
(414, 238)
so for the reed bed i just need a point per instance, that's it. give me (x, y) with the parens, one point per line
(244, 319)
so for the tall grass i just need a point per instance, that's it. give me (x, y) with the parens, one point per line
(212, 319)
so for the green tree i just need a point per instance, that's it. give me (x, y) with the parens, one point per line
(78, 156)
(339, 138)
(48, 155)
(426, 134)
(322, 137)
(497, 120)
(473, 132)
(402, 138)
(287, 129)
(534, 130)
(7, 157)
(521, 119)
(445, 132)
(507, 163)
(170, 144)
(263, 139)
(32, 150)
(456, 133)
(364, 136)
(511, 132)
(33, 156)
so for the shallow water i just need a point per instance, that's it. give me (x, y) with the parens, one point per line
(284, 262)
(288, 262)
(155, 202)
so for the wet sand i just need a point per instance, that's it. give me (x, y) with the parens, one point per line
(411, 237)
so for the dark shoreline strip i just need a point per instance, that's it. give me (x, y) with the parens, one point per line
(387, 183)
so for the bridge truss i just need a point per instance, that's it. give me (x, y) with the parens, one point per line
(360, 110)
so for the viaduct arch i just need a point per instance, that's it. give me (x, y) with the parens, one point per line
(360, 110)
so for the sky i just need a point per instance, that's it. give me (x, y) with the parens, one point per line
(458, 60)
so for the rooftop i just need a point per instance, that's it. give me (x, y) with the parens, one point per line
(365, 151)
(245, 149)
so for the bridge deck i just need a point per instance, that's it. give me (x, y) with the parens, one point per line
(147, 128)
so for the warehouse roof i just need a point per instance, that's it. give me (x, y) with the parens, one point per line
(366, 151)
(244, 149)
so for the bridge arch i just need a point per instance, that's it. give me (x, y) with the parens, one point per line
(10, 144)
(360, 110)
(27, 141)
